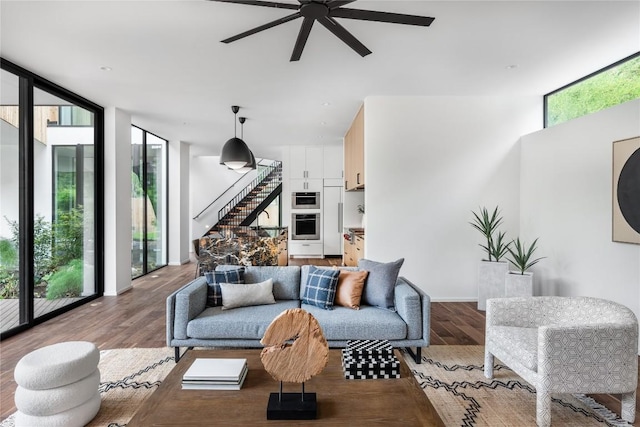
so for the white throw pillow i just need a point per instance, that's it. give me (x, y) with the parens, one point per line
(238, 295)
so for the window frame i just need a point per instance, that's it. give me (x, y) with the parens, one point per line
(580, 80)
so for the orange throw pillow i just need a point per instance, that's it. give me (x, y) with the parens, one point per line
(350, 286)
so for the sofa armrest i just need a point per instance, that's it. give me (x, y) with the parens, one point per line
(590, 359)
(414, 306)
(184, 305)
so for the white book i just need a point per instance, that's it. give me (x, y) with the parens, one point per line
(203, 385)
(217, 381)
(215, 369)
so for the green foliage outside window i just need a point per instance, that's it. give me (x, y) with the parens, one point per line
(613, 86)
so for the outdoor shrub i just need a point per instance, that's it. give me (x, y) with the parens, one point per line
(68, 236)
(8, 284)
(66, 282)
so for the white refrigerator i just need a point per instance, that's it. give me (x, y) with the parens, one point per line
(332, 227)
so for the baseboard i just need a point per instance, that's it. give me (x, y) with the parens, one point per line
(454, 299)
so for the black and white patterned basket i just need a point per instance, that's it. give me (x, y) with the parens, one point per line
(369, 360)
(381, 348)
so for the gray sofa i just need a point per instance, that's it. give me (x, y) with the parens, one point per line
(190, 323)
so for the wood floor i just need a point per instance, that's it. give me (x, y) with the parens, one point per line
(137, 319)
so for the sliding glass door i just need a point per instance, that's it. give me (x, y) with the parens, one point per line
(50, 225)
(11, 313)
(148, 202)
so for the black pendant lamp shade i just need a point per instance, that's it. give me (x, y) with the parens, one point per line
(252, 164)
(235, 153)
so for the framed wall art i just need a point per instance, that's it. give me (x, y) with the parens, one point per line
(626, 191)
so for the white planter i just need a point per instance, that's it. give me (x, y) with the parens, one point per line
(491, 278)
(518, 285)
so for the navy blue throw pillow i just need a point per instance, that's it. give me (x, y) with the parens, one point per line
(214, 278)
(320, 289)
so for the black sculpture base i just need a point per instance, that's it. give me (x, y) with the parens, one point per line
(292, 406)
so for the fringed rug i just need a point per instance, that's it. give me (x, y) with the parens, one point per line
(453, 379)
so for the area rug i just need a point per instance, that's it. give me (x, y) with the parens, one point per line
(127, 378)
(453, 379)
(451, 376)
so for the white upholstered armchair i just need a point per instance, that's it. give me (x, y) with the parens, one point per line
(565, 345)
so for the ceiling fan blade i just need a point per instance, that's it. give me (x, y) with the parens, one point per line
(372, 15)
(262, 27)
(333, 4)
(262, 3)
(344, 35)
(303, 35)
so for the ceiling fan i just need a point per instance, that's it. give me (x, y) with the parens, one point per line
(325, 12)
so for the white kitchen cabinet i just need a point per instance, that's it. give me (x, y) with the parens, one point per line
(332, 221)
(305, 248)
(305, 185)
(333, 162)
(305, 162)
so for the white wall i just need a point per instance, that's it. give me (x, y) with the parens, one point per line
(430, 161)
(566, 201)
(179, 237)
(117, 200)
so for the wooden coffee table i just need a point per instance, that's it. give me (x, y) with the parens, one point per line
(345, 402)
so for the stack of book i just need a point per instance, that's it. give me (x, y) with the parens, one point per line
(369, 359)
(215, 374)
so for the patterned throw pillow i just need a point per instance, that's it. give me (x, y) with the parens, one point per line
(320, 289)
(214, 278)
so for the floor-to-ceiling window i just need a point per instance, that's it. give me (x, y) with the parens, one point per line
(50, 225)
(148, 202)
(10, 206)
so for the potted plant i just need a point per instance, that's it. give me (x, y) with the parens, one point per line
(491, 271)
(520, 283)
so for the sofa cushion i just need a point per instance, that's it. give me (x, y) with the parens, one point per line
(349, 290)
(239, 323)
(521, 343)
(214, 278)
(304, 273)
(286, 280)
(368, 323)
(381, 282)
(240, 295)
(320, 289)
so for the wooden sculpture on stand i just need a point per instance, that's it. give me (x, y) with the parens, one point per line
(295, 351)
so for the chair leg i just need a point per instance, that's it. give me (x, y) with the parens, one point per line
(488, 364)
(177, 356)
(628, 412)
(543, 408)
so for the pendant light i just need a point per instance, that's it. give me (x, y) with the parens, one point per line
(235, 153)
(252, 164)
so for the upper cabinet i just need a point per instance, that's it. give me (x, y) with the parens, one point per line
(306, 162)
(354, 153)
(333, 163)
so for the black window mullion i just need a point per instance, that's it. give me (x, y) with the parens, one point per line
(26, 191)
(143, 179)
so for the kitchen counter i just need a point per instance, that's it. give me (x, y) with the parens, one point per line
(353, 246)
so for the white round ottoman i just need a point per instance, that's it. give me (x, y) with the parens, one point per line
(58, 385)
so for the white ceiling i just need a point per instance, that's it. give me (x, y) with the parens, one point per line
(170, 71)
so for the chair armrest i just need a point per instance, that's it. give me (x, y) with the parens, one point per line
(589, 358)
(414, 306)
(184, 305)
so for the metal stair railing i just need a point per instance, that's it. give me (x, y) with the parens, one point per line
(249, 198)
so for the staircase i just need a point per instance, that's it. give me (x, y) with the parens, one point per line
(245, 207)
